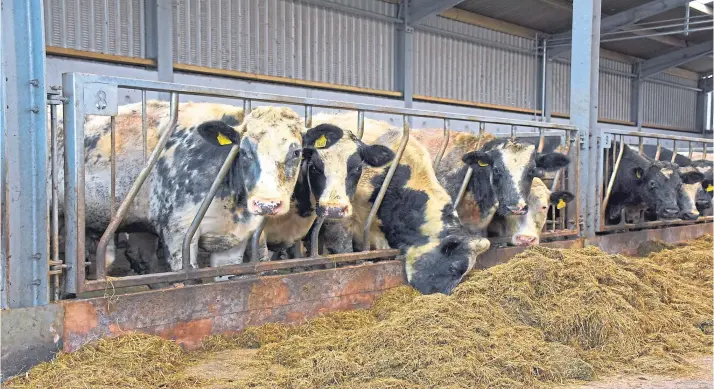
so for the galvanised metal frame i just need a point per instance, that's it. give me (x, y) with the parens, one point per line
(608, 155)
(584, 74)
(24, 159)
(96, 94)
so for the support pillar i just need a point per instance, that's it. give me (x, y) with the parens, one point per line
(584, 71)
(159, 39)
(636, 102)
(702, 106)
(404, 61)
(24, 164)
(544, 80)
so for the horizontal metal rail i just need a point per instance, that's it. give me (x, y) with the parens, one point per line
(240, 269)
(659, 136)
(183, 89)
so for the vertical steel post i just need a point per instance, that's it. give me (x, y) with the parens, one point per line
(544, 82)
(585, 63)
(73, 90)
(404, 64)
(25, 212)
(3, 247)
(636, 98)
(701, 106)
(159, 39)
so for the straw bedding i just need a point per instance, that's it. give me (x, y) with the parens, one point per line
(545, 317)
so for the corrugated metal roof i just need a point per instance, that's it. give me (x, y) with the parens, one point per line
(534, 14)
(553, 16)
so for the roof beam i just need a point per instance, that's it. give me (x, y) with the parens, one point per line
(422, 9)
(634, 15)
(703, 8)
(674, 59)
(621, 20)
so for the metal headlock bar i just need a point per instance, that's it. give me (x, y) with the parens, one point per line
(90, 94)
(607, 153)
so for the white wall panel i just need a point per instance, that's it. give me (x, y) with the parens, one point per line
(289, 39)
(103, 26)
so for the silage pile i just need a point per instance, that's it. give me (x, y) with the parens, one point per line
(547, 316)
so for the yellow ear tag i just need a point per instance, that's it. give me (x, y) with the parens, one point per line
(710, 188)
(481, 163)
(638, 174)
(561, 204)
(321, 142)
(223, 140)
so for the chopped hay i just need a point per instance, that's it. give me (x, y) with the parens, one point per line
(545, 317)
(652, 246)
(129, 361)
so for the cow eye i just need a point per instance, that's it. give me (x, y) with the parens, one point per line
(652, 184)
(496, 171)
(295, 154)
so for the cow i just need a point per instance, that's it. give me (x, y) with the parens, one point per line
(332, 165)
(525, 230)
(503, 170)
(704, 196)
(692, 197)
(645, 183)
(260, 181)
(416, 215)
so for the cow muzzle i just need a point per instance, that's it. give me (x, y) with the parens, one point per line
(333, 211)
(703, 204)
(525, 240)
(669, 213)
(689, 215)
(517, 209)
(266, 207)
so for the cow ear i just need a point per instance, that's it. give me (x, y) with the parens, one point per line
(691, 177)
(450, 244)
(375, 155)
(559, 199)
(322, 136)
(477, 157)
(638, 172)
(218, 133)
(551, 162)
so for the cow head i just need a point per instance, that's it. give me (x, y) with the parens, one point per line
(334, 159)
(270, 155)
(526, 229)
(438, 267)
(689, 192)
(704, 198)
(511, 166)
(646, 182)
(663, 184)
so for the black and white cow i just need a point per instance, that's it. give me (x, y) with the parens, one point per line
(643, 183)
(260, 182)
(332, 165)
(503, 170)
(525, 230)
(416, 215)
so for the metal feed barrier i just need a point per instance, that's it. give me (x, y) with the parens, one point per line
(89, 94)
(608, 166)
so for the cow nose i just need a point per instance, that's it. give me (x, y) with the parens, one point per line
(333, 212)
(703, 204)
(690, 215)
(525, 240)
(267, 207)
(517, 209)
(670, 213)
